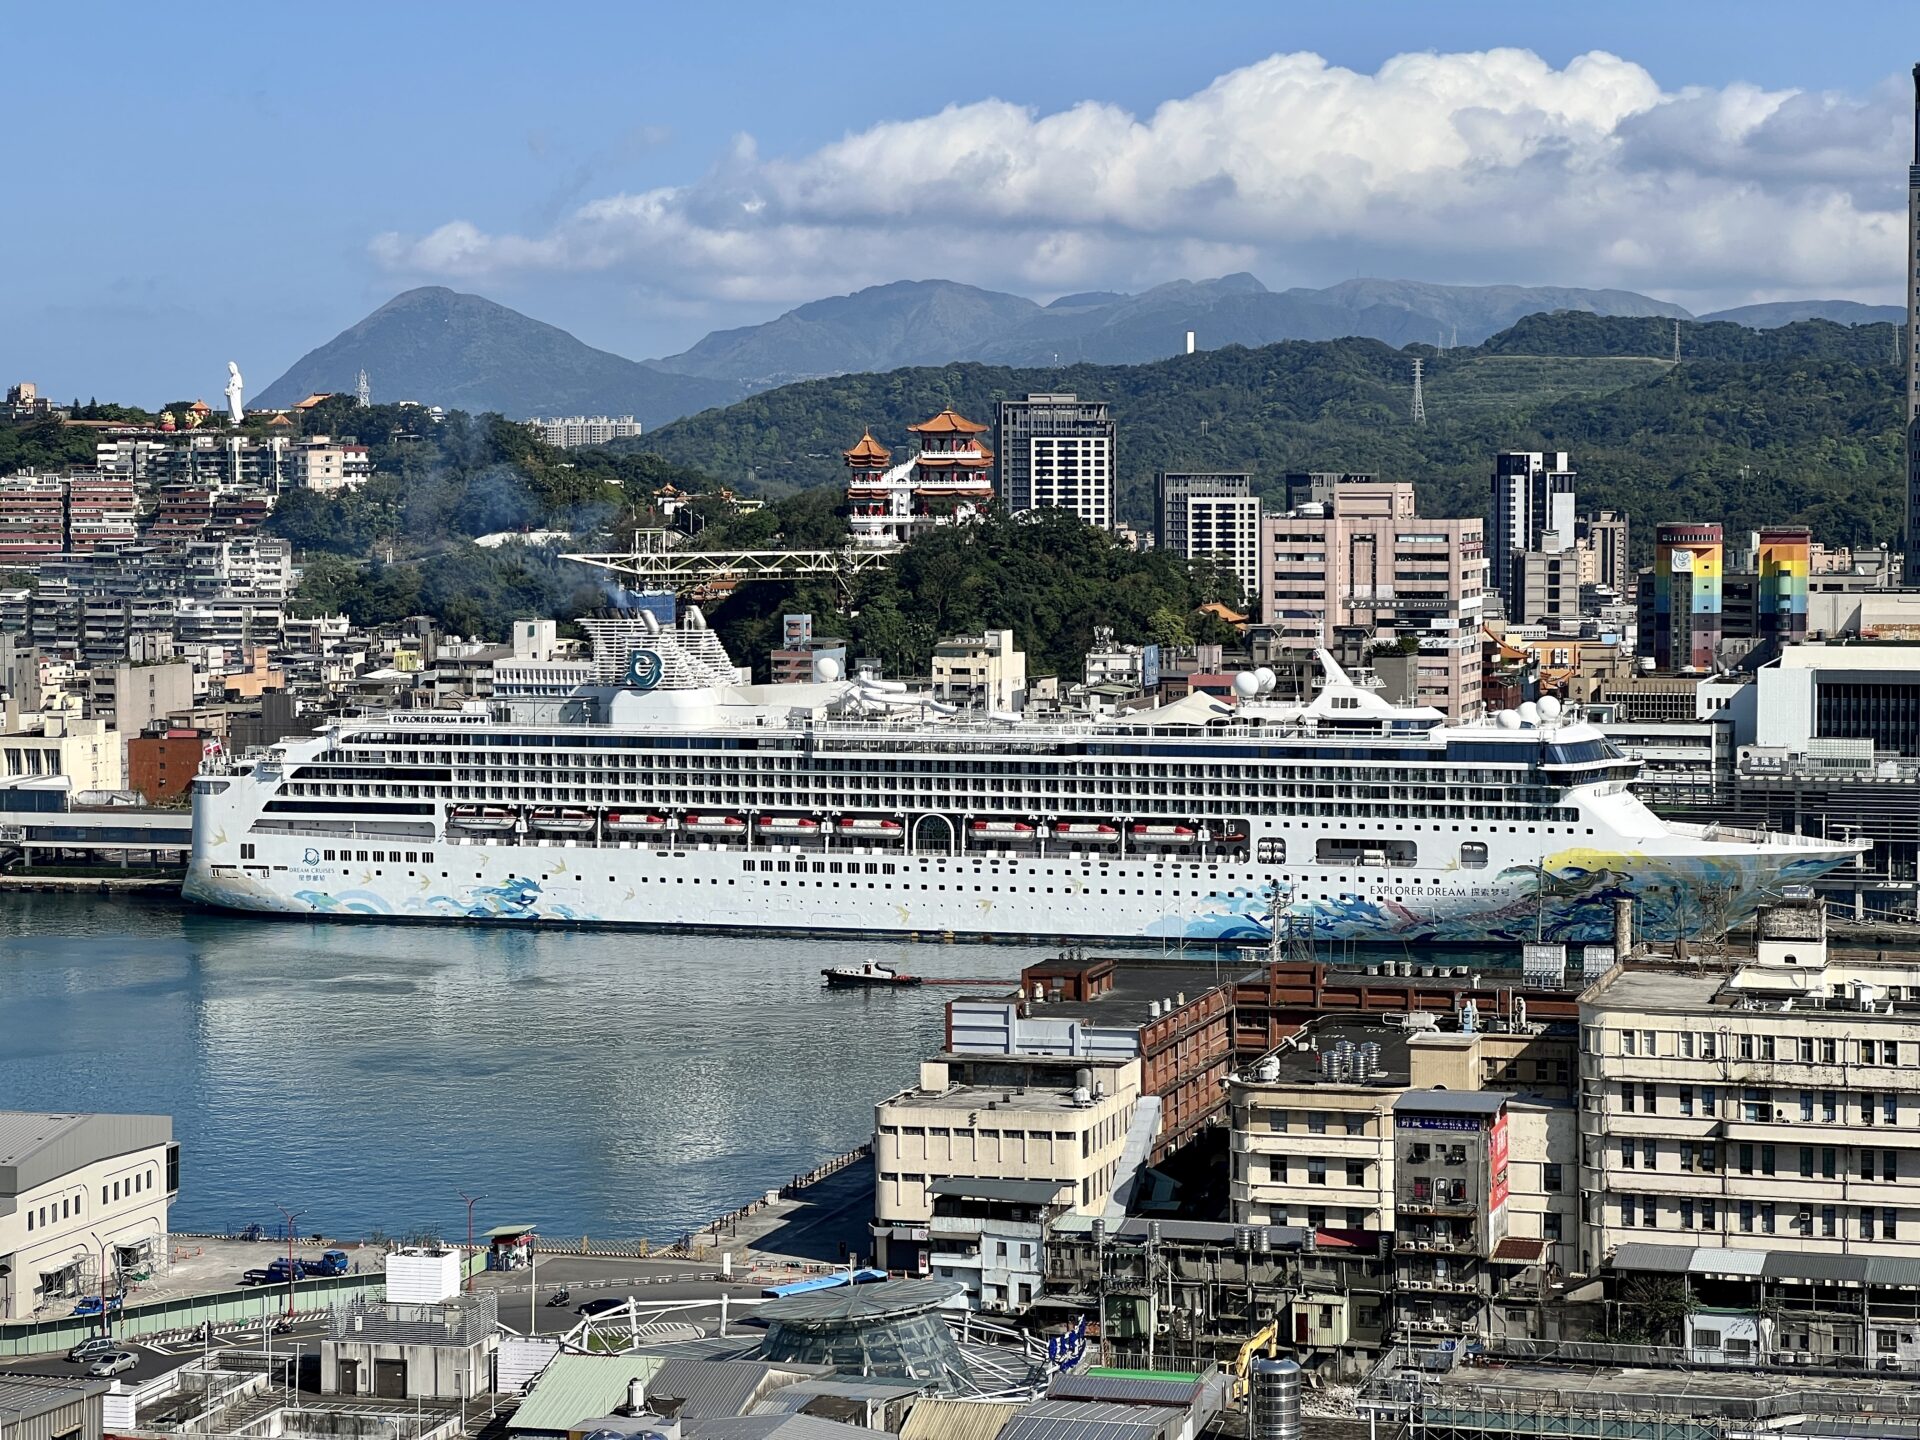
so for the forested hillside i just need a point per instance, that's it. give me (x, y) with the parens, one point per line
(1753, 427)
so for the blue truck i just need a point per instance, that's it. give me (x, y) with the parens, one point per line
(330, 1262)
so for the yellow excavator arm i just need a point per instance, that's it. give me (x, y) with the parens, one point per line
(1266, 1338)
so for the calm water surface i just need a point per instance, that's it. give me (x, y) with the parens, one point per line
(604, 1083)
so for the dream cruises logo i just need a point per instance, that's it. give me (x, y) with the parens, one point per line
(643, 669)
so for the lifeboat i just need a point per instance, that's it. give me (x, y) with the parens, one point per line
(1163, 835)
(859, 829)
(554, 820)
(788, 825)
(1087, 833)
(631, 822)
(481, 819)
(714, 825)
(1000, 830)
(1230, 838)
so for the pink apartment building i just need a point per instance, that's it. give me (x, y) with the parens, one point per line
(1362, 565)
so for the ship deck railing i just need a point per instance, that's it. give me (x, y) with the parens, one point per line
(1780, 839)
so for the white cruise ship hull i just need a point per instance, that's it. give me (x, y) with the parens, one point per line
(1353, 818)
(871, 891)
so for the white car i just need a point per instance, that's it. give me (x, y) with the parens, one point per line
(114, 1362)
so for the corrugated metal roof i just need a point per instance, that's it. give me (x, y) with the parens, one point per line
(776, 1427)
(1452, 1102)
(1518, 1249)
(37, 1146)
(1892, 1270)
(708, 1389)
(1654, 1259)
(1718, 1260)
(1089, 1420)
(1124, 1390)
(578, 1387)
(1789, 1265)
(26, 1397)
(957, 1420)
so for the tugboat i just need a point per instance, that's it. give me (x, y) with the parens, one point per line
(867, 974)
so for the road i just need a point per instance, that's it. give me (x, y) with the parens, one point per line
(158, 1359)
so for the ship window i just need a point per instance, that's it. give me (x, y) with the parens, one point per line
(1473, 855)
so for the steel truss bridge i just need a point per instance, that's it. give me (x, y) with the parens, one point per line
(654, 564)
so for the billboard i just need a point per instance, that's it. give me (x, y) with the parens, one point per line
(1149, 667)
(1497, 1186)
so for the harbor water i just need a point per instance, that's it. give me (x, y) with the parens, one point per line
(604, 1083)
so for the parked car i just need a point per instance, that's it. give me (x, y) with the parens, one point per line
(114, 1362)
(600, 1306)
(90, 1350)
(93, 1305)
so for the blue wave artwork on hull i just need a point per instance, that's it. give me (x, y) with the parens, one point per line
(516, 900)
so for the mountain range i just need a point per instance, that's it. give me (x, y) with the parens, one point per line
(465, 352)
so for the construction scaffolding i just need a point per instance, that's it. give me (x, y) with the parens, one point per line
(656, 564)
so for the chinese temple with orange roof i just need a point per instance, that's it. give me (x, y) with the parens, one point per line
(947, 481)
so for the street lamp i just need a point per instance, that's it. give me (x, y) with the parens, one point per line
(292, 1269)
(467, 1262)
(106, 1325)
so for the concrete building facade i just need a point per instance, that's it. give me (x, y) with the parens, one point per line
(1057, 451)
(1366, 565)
(981, 672)
(1172, 489)
(1063, 1122)
(83, 1198)
(1532, 509)
(1770, 1105)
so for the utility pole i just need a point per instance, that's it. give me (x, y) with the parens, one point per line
(1419, 394)
(466, 1263)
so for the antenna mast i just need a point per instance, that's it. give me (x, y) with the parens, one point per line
(1419, 394)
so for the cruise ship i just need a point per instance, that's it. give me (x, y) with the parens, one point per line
(654, 786)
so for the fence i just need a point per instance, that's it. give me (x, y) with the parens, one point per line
(187, 1314)
(694, 1245)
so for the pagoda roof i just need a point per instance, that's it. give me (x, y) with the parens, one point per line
(869, 449)
(948, 423)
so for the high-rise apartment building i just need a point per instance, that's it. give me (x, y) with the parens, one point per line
(1911, 269)
(1532, 510)
(1172, 489)
(1687, 565)
(570, 431)
(1213, 516)
(1058, 452)
(1365, 566)
(1603, 552)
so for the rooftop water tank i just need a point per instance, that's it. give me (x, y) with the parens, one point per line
(1273, 1400)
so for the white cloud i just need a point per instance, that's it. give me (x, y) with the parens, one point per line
(1470, 167)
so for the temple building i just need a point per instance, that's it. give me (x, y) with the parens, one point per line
(948, 480)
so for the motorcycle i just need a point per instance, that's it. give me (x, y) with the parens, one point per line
(560, 1297)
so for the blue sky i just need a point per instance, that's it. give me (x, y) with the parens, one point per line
(242, 186)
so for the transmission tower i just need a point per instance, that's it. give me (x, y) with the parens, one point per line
(1419, 396)
(363, 390)
(1676, 342)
